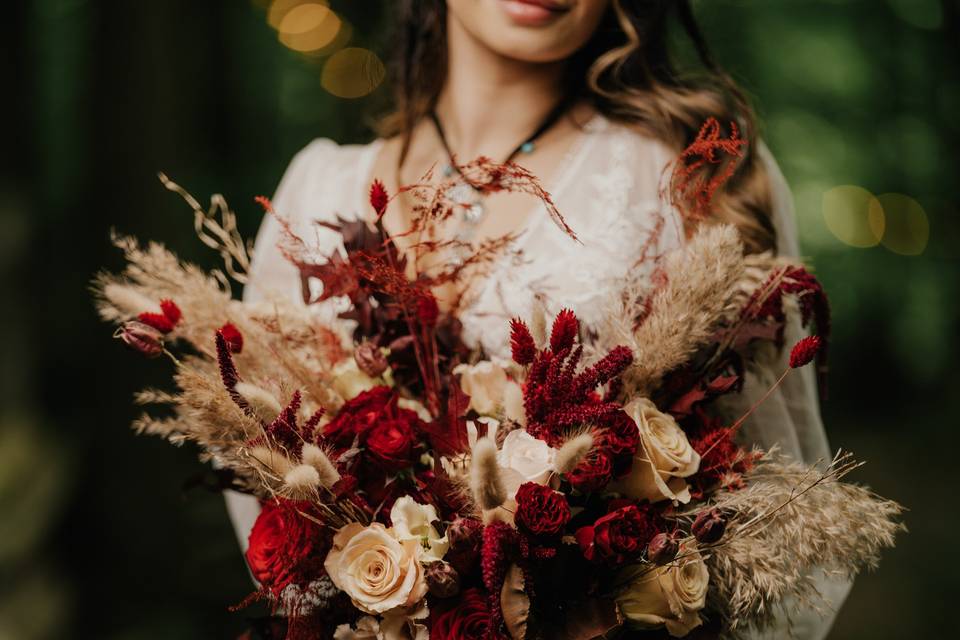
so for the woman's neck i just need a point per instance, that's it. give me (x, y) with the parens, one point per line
(490, 103)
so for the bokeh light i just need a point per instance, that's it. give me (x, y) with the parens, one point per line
(309, 27)
(352, 73)
(279, 9)
(853, 215)
(907, 228)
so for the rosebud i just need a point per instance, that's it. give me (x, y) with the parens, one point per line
(662, 549)
(142, 337)
(709, 526)
(370, 359)
(466, 537)
(443, 581)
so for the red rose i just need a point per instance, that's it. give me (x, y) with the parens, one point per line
(390, 444)
(541, 510)
(621, 437)
(469, 620)
(618, 536)
(285, 547)
(358, 415)
(593, 473)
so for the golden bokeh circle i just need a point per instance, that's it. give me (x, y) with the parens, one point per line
(352, 73)
(907, 225)
(853, 215)
(309, 27)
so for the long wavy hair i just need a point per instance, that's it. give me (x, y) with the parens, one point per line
(627, 73)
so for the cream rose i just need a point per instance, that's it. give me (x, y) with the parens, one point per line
(669, 596)
(414, 521)
(491, 390)
(377, 571)
(523, 458)
(349, 381)
(663, 459)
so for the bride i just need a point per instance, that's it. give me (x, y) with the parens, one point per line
(583, 94)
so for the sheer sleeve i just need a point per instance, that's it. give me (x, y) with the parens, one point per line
(317, 185)
(790, 419)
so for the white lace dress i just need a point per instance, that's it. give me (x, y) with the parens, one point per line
(607, 188)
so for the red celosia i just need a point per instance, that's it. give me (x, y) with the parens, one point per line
(228, 372)
(285, 431)
(500, 545)
(522, 345)
(379, 197)
(722, 461)
(804, 351)
(566, 327)
(556, 397)
(233, 337)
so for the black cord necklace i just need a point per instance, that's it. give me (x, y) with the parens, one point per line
(465, 194)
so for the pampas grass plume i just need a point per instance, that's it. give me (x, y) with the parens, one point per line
(314, 456)
(128, 301)
(485, 481)
(573, 452)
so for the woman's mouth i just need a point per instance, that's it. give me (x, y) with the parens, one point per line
(532, 13)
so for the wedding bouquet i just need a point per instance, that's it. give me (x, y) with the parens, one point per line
(415, 488)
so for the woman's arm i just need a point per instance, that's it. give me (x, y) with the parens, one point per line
(790, 419)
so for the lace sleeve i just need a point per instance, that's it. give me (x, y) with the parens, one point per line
(790, 419)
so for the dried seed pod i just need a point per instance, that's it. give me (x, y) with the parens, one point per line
(443, 581)
(662, 549)
(141, 337)
(709, 526)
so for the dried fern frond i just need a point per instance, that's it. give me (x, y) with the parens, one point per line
(792, 521)
(682, 315)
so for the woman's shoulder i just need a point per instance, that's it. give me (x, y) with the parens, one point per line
(325, 176)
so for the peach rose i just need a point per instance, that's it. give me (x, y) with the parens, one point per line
(377, 571)
(663, 459)
(669, 596)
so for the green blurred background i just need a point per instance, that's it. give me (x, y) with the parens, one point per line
(98, 536)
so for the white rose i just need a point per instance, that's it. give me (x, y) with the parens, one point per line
(524, 458)
(663, 459)
(377, 571)
(490, 389)
(669, 596)
(413, 521)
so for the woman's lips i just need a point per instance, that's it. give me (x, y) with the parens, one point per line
(534, 12)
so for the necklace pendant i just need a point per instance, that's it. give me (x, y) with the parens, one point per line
(474, 213)
(448, 170)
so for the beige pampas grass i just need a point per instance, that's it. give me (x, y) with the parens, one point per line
(314, 456)
(486, 485)
(792, 521)
(573, 452)
(700, 279)
(127, 302)
(261, 401)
